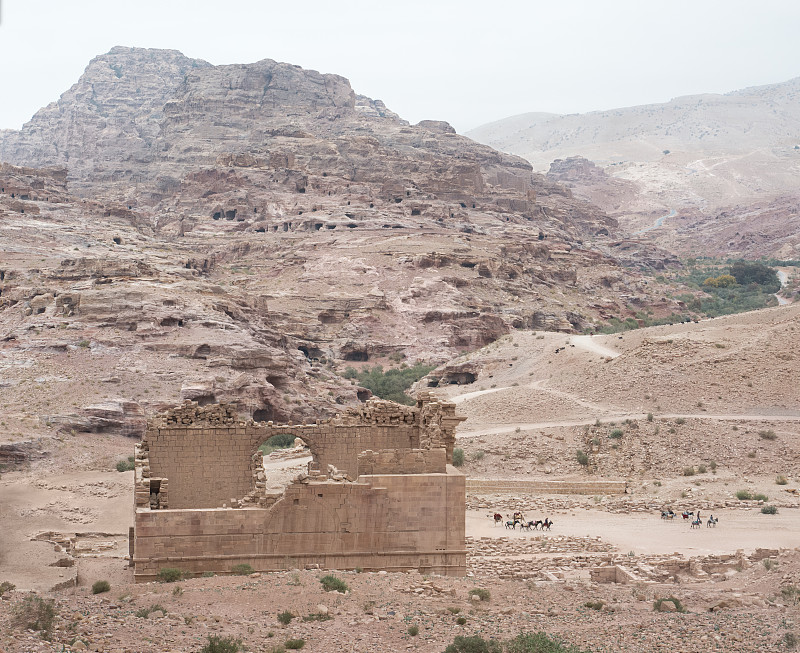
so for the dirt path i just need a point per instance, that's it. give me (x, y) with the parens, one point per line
(589, 343)
(477, 430)
(649, 534)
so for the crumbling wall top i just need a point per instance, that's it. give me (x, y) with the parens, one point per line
(190, 413)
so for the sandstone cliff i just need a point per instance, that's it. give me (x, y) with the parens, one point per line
(242, 232)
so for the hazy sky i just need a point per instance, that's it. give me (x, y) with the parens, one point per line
(464, 61)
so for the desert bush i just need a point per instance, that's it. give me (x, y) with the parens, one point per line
(479, 454)
(170, 574)
(145, 612)
(769, 510)
(5, 586)
(332, 584)
(413, 630)
(126, 465)
(36, 613)
(317, 616)
(481, 593)
(767, 435)
(701, 469)
(582, 457)
(713, 465)
(791, 593)
(222, 645)
(461, 621)
(616, 434)
(285, 617)
(294, 644)
(760, 497)
(473, 644)
(781, 480)
(458, 457)
(278, 441)
(100, 586)
(769, 564)
(744, 495)
(242, 569)
(594, 605)
(688, 471)
(790, 640)
(649, 417)
(679, 607)
(680, 420)
(538, 643)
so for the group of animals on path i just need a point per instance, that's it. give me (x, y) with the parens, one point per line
(696, 522)
(511, 522)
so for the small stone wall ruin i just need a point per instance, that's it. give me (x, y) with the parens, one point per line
(380, 493)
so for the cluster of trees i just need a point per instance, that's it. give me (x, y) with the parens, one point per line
(392, 383)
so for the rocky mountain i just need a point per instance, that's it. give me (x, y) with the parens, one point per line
(702, 156)
(173, 229)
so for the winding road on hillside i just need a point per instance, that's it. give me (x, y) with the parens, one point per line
(659, 221)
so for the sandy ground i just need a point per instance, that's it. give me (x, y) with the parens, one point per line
(649, 534)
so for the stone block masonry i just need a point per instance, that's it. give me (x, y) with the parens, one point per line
(380, 493)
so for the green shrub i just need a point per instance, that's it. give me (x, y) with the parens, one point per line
(482, 594)
(616, 434)
(294, 644)
(594, 605)
(126, 465)
(332, 584)
(769, 564)
(170, 574)
(649, 417)
(769, 510)
(701, 469)
(285, 617)
(458, 457)
(278, 441)
(790, 639)
(461, 621)
(767, 435)
(582, 457)
(390, 384)
(679, 607)
(222, 645)
(744, 495)
(538, 643)
(479, 454)
(413, 630)
(474, 644)
(5, 586)
(317, 616)
(688, 471)
(781, 480)
(100, 586)
(680, 421)
(242, 569)
(760, 497)
(713, 465)
(36, 613)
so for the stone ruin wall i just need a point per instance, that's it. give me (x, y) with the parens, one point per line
(380, 493)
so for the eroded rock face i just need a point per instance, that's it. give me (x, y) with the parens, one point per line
(239, 231)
